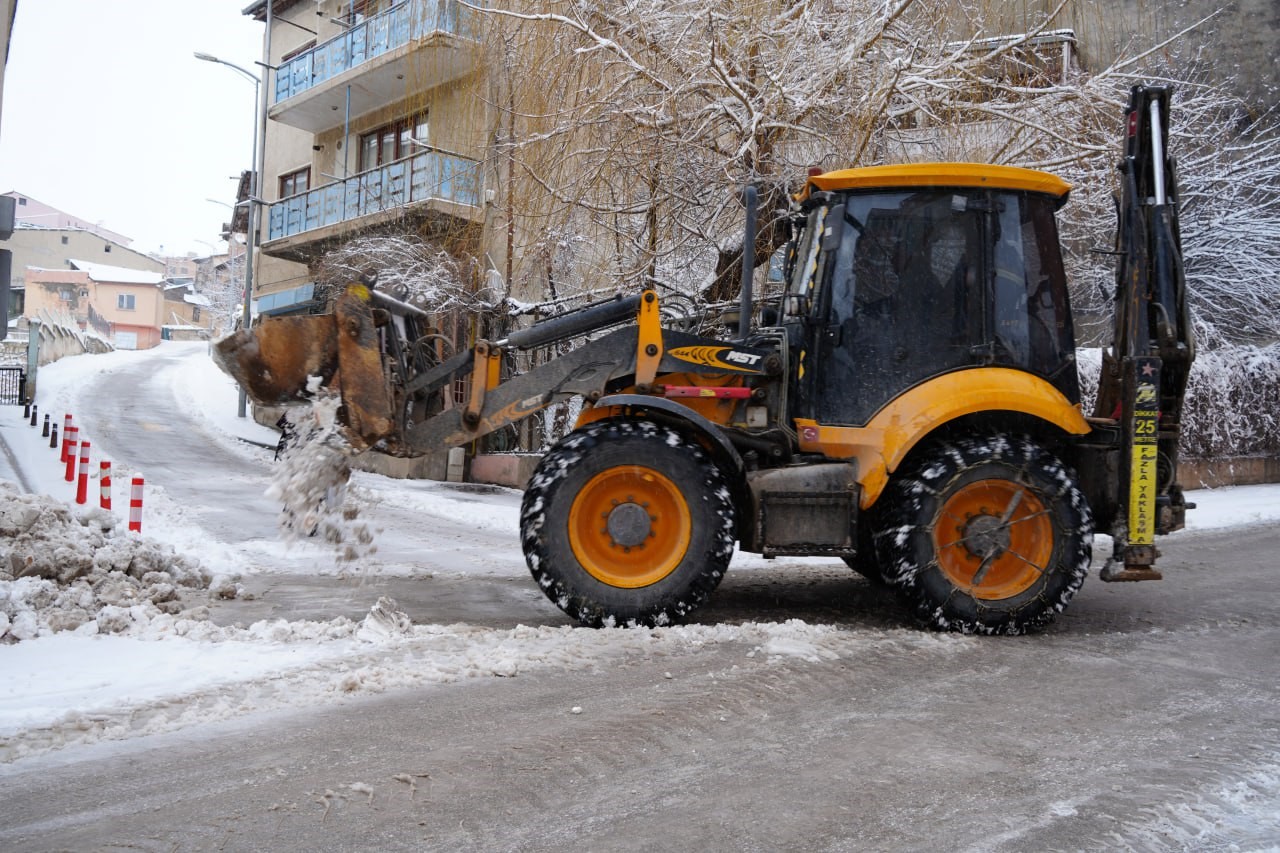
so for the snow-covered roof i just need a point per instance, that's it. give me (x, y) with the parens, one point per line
(116, 275)
(196, 299)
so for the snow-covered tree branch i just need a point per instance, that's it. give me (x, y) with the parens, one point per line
(644, 117)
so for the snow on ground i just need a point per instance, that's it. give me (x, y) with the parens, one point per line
(148, 665)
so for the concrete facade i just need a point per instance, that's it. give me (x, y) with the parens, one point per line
(323, 139)
(1241, 38)
(53, 248)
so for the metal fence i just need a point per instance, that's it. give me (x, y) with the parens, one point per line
(410, 180)
(13, 383)
(373, 37)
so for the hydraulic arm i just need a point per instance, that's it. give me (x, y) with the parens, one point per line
(1144, 377)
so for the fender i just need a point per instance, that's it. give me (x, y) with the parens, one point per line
(889, 436)
(722, 450)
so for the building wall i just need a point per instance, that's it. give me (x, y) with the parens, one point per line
(288, 148)
(29, 211)
(148, 300)
(460, 122)
(177, 311)
(52, 248)
(45, 289)
(1243, 41)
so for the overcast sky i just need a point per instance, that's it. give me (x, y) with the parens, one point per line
(109, 117)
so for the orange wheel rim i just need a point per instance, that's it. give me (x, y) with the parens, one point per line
(629, 526)
(993, 539)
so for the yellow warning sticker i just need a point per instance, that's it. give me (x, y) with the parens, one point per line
(1142, 495)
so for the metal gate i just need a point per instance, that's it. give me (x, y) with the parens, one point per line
(13, 383)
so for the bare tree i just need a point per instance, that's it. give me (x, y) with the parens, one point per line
(411, 269)
(633, 122)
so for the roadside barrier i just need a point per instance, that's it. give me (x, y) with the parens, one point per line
(53, 437)
(104, 484)
(69, 433)
(26, 412)
(82, 486)
(69, 452)
(45, 432)
(34, 409)
(135, 505)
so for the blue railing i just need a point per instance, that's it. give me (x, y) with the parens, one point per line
(431, 175)
(379, 34)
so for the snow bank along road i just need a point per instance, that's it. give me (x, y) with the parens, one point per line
(798, 713)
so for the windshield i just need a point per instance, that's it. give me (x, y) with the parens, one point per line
(910, 285)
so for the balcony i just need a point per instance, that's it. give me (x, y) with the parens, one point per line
(413, 46)
(430, 180)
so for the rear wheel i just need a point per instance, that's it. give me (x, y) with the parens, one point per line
(627, 522)
(985, 535)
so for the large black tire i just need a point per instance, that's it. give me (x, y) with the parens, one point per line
(986, 535)
(627, 523)
(865, 562)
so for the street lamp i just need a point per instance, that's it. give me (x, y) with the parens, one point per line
(255, 168)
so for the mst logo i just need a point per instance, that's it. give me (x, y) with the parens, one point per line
(724, 357)
(1146, 396)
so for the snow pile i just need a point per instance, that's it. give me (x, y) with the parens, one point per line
(65, 572)
(310, 480)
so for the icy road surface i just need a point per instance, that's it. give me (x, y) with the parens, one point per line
(798, 713)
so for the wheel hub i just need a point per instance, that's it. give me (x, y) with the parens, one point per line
(629, 525)
(985, 535)
(993, 538)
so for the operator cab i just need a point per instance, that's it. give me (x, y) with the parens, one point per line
(902, 273)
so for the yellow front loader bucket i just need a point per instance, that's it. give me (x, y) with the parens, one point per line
(275, 359)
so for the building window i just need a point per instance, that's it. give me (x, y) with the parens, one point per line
(393, 141)
(65, 239)
(195, 314)
(124, 301)
(361, 10)
(295, 182)
(64, 294)
(22, 202)
(84, 294)
(106, 248)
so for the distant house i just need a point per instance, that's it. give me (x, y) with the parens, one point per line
(124, 305)
(187, 314)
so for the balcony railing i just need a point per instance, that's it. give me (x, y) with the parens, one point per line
(428, 176)
(371, 38)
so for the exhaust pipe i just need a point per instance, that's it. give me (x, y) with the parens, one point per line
(748, 262)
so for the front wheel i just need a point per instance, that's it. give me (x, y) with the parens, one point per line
(627, 522)
(985, 535)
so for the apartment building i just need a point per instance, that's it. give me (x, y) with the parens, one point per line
(376, 125)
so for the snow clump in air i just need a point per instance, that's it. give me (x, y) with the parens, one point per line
(310, 479)
(63, 571)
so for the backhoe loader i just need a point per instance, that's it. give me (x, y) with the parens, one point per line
(909, 403)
